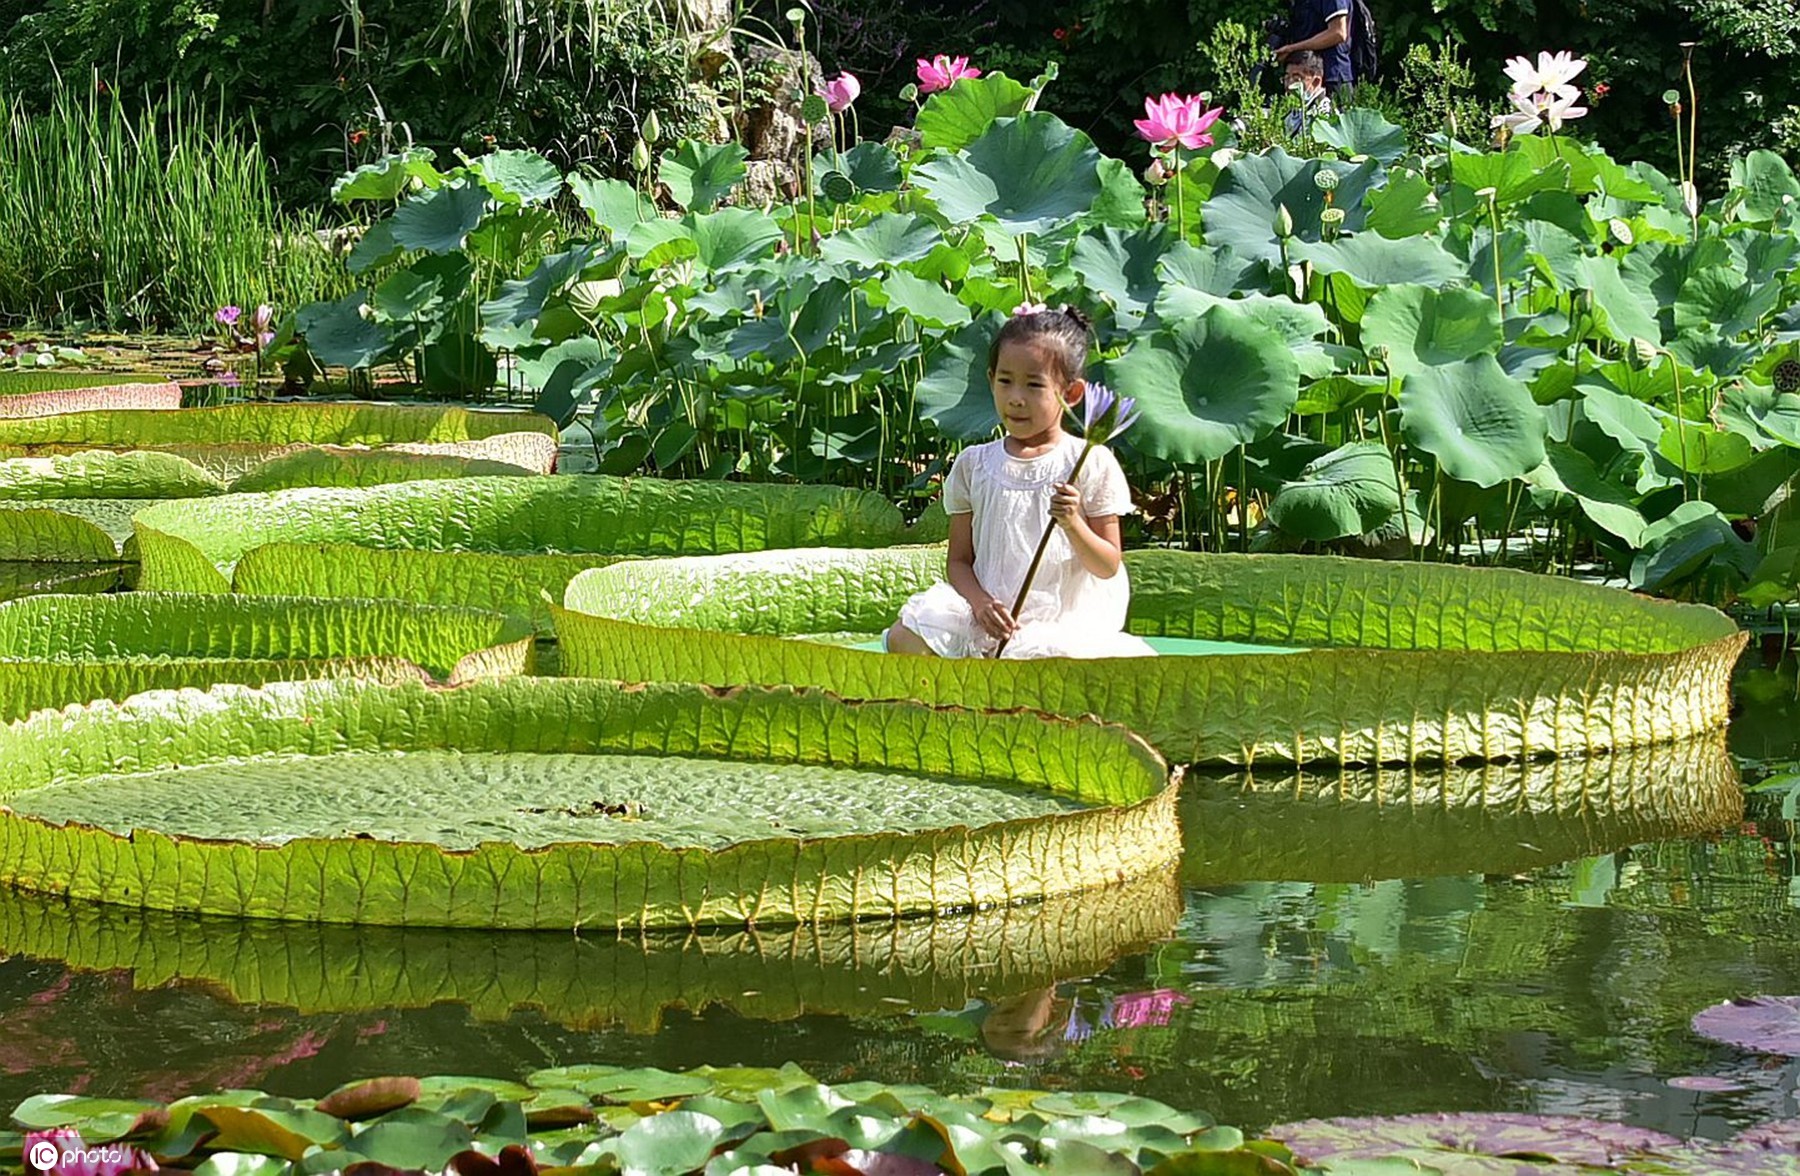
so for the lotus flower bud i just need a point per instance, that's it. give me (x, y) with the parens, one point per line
(1284, 223)
(640, 156)
(1325, 179)
(1644, 351)
(909, 92)
(1156, 173)
(652, 128)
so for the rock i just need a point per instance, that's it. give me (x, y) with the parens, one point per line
(774, 130)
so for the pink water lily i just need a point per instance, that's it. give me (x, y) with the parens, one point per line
(1173, 120)
(944, 71)
(841, 91)
(111, 1159)
(228, 315)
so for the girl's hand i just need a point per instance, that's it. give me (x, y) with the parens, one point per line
(1065, 503)
(995, 619)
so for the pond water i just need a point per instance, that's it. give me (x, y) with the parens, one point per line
(1334, 945)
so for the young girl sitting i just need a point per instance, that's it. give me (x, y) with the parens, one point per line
(999, 497)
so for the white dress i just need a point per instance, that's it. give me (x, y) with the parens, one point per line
(1070, 612)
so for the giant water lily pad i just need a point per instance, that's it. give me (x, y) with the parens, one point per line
(492, 542)
(36, 394)
(60, 649)
(1400, 661)
(631, 979)
(1122, 824)
(1766, 1024)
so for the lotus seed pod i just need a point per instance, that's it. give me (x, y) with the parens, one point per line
(1326, 179)
(1332, 217)
(1378, 352)
(1621, 230)
(815, 109)
(1671, 97)
(909, 92)
(1284, 222)
(640, 156)
(652, 128)
(838, 187)
(1787, 376)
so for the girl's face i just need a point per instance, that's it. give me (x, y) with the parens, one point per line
(1030, 391)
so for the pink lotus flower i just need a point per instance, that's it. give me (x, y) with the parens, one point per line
(265, 314)
(841, 91)
(1172, 120)
(227, 315)
(942, 72)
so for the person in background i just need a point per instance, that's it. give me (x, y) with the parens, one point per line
(1323, 27)
(1306, 81)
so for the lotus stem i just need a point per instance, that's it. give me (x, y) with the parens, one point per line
(1023, 241)
(1499, 288)
(1037, 557)
(1180, 206)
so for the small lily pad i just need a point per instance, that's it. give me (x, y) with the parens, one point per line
(1560, 1137)
(646, 1084)
(1766, 1024)
(366, 1099)
(1704, 1083)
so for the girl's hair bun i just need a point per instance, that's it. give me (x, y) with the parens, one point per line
(1079, 316)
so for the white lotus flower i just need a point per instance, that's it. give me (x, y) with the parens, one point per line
(1525, 117)
(1545, 109)
(1552, 73)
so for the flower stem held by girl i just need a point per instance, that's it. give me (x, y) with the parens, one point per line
(997, 496)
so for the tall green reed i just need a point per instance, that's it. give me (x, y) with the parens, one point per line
(146, 215)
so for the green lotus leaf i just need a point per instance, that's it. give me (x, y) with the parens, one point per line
(1415, 821)
(1374, 261)
(613, 205)
(1406, 206)
(1422, 327)
(33, 393)
(1206, 385)
(954, 394)
(1123, 268)
(1477, 642)
(1216, 271)
(1242, 212)
(1724, 300)
(1698, 448)
(1766, 184)
(375, 249)
(1121, 200)
(1480, 425)
(954, 118)
(1692, 540)
(1630, 424)
(342, 333)
(522, 302)
(1607, 504)
(61, 649)
(732, 237)
(1513, 175)
(1349, 491)
(542, 530)
(388, 177)
(1361, 131)
(631, 980)
(53, 536)
(1106, 788)
(1625, 307)
(441, 219)
(518, 177)
(269, 424)
(1031, 174)
(887, 240)
(699, 175)
(926, 301)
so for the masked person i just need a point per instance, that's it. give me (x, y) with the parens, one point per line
(1305, 80)
(1322, 27)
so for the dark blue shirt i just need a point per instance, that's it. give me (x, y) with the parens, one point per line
(1309, 20)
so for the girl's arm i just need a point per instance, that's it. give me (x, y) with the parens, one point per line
(994, 616)
(1095, 538)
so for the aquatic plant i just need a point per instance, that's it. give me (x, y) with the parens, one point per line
(1324, 658)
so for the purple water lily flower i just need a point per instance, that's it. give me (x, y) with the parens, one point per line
(1105, 414)
(228, 315)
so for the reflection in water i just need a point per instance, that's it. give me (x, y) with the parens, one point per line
(26, 578)
(587, 981)
(1361, 824)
